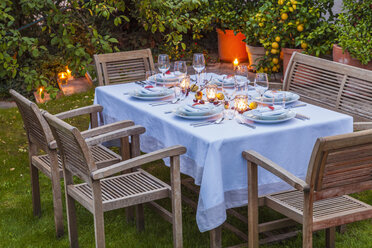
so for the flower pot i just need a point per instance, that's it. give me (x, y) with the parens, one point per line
(287, 54)
(345, 58)
(231, 46)
(255, 54)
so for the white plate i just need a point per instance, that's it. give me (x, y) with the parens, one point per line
(293, 99)
(257, 113)
(257, 119)
(149, 98)
(181, 114)
(230, 84)
(174, 81)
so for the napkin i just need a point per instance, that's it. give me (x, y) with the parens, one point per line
(200, 109)
(155, 91)
(266, 112)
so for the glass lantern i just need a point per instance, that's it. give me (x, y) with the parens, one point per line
(241, 103)
(185, 84)
(211, 92)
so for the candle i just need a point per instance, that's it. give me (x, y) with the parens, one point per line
(241, 103)
(62, 78)
(236, 63)
(40, 91)
(68, 72)
(211, 92)
(185, 84)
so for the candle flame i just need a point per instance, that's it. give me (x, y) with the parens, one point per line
(63, 75)
(40, 90)
(236, 62)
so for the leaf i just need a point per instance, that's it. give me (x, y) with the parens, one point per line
(113, 40)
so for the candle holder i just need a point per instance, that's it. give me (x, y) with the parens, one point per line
(185, 85)
(62, 78)
(211, 92)
(241, 103)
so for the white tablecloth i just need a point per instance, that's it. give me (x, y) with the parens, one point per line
(213, 155)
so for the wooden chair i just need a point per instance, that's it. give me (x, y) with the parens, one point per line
(40, 137)
(339, 165)
(332, 85)
(123, 67)
(101, 190)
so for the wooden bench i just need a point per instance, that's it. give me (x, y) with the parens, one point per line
(332, 85)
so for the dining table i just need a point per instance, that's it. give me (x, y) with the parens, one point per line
(214, 152)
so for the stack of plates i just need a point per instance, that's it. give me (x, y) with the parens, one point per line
(168, 79)
(151, 93)
(199, 111)
(278, 97)
(266, 115)
(229, 82)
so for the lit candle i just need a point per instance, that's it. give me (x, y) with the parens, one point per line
(211, 92)
(185, 84)
(62, 78)
(68, 72)
(236, 63)
(41, 91)
(241, 103)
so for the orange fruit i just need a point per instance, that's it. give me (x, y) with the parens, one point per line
(274, 51)
(290, 9)
(294, 6)
(300, 28)
(284, 16)
(303, 45)
(277, 38)
(275, 61)
(275, 45)
(220, 96)
(253, 105)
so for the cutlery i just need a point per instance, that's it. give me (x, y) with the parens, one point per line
(218, 121)
(245, 123)
(303, 117)
(140, 83)
(168, 112)
(165, 102)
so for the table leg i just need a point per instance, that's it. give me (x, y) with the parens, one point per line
(215, 237)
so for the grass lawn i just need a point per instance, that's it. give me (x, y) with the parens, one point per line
(18, 227)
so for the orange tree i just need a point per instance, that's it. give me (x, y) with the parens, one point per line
(290, 24)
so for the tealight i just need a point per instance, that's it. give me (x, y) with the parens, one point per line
(211, 92)
(241, 103)
(185, 84)
(62, 77)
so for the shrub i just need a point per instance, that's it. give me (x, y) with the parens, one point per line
(354, 29)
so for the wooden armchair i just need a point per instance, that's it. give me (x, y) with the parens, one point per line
(103, 190)
(123, 67)
(339, 165)
(40, 137)
(332, 85)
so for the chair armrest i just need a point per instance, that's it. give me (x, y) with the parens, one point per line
(359, 126)
(278, 171)
(137, 161)
(106, 128)
(80, 111)
(116, 134)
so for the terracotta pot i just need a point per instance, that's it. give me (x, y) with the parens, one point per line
(287, 54)
(230, 46)
(345, 58)
(255, 54)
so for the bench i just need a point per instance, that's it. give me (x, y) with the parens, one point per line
(342, 88)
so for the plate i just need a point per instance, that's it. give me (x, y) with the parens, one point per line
(168, 82)
(230, 84)
(269, 101)
(149, 98)
(257, 119)
(269, 117)
(217, 111)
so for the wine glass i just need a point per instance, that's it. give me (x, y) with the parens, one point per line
(199, 64)
(180, 69)
(241, 77)
(163, 63)
(261, 84)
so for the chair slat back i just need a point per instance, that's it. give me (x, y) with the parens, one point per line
(37, 129)
(341, 164)
(333, 85)
(76, 156)
(123, 67)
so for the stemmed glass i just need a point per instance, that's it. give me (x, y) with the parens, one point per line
(199, 64)
(229, 96)
(150, 77)
(180, 70)
(163, 63)
(241, 77)
(261, 84)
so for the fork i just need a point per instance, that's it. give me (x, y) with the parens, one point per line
(238, 120)
(218, 121)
